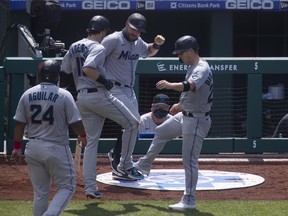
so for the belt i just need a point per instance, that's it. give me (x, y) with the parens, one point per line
(119, 84)
(197, 115)
(90, 90)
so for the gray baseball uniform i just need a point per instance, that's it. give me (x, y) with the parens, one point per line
(194, 126)
(47, 110)
(147, 125)
(95, 104)
(121, 61)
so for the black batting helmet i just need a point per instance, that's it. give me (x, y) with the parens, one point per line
(138, 22)
(185, 43)
(50, 71)
(97, 24)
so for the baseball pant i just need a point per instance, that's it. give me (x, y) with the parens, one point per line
(194, 130)
(94, 108)
(50, 162)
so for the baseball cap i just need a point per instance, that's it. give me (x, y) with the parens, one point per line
(137, 21)
(184, 43)
(161, 98)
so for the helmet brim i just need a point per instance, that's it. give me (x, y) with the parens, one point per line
(137, 29)
(176, 52)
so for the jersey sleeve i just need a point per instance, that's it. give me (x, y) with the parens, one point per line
(66, 65)
(199, 75)
(96, 57)
(20, 111)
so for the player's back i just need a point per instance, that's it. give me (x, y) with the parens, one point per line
(73, 61)
(45, 109)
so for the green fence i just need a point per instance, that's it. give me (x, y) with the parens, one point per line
(239, 87)
(2, 122)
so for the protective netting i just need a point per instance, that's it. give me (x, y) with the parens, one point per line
(229, 110)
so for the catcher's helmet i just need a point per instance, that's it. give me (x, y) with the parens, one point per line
(137, 21)
(50, 71)
(97, 24)
(185, 43)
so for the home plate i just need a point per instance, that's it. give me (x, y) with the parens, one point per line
(174, 180)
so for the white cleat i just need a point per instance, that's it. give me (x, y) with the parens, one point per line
(181, 206)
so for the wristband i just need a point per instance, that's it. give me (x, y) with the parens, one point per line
(83, 135)
(102, 79)
(156, 46)
(17, 145)
(186, 86)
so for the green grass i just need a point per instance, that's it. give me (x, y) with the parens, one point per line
(157, 208)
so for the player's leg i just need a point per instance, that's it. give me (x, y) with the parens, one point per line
(165, 132)
(40, 178)
(93, 124)
(62, 171)
(194, 132)
(114, 154)
(120, 113)
(126, 96)
(93, 127)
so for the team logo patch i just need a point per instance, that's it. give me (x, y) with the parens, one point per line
(174, 180)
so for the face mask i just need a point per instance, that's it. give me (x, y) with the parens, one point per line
(159, 113)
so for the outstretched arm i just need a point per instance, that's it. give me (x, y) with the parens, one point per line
(176, 86)
(154, 47)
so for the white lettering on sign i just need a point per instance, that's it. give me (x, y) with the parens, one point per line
(196, 5)
(249, 4)
(182, 67)
(102, 5)
(179, 67)
(223, 67)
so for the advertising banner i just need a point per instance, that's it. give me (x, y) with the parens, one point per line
(167, 5)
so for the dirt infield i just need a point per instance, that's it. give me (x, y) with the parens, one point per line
(15, 183)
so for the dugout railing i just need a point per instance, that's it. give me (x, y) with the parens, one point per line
(244, 115)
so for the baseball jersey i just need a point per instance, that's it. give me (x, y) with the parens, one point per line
(147, 125)
(47, 109)
(199, 101)
(119, 51)
(87, 51)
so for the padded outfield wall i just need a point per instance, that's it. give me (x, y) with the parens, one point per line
(244, 113)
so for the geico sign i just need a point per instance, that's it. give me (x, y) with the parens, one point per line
(111, 5)
(249, 4)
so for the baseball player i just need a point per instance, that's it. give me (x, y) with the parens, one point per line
(85, 60)
(148, 123)
(46, 111)
(193, 122)
(159, 113)
(123, 50)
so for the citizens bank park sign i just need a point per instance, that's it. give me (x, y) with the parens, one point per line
(169, 5)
